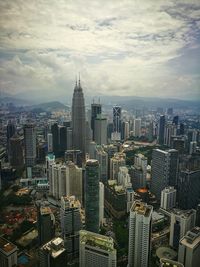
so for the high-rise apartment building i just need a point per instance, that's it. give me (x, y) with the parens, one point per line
(117, 161)
(101, 202)
(53, 253)
(139, 234)
(95, 110)
(78, 119)
(96, 250)
(164, 170)
(189, 248)
(168, 198)
(181, 222)
(71, 224)
(8, 253)
(92, 195)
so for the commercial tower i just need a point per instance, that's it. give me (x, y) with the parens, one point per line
(161, 130)
(181, 222)
(95, 110)
(139, 234)
(30, 147)
(189, 248)
(16, 152)
(117, 119)
(100, 130)
(78, 119)
(92, 195)
(70, 218)
(164, 170)
(46, 225)
(53, 253)
(96, 250)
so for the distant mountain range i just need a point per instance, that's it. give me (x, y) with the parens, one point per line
(127, 102)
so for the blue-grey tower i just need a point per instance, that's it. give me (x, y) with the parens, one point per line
(78, 119)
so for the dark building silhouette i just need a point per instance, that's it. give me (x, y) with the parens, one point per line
(63, 139)
(175, 120)
(161, 130)
(92, 196)
(95, 110)
(16, 151)
(55, 133)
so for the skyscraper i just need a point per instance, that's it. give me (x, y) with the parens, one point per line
(137, 127)
(71, 224)
(181, 222)
(164, 170)
(30, 146)
(100, 130)
(78, 119)
(95, 110)
(168, 198)
(16, 152)
(117, 119)
(55, 134)
(92, 195)
(46, 224)
(161, 130)
(189, 248)
(53, 253)
(96, 250)
(139, 234)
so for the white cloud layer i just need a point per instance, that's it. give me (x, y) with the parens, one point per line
(120, 47)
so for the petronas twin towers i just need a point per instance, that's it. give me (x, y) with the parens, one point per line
(78, 119)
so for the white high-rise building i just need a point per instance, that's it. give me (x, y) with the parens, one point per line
(96, 250)
(126, 130)
(65, 179)
(189, 248)
(50, 142)
(101, 202)
(117, 161)
(137, 127)
(139, 234)
(102, 158)
(181, 222)
(124, 178)
(168, 198)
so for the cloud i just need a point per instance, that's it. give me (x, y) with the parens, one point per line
(120, 47)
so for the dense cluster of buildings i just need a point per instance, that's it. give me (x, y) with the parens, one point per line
(82, 162)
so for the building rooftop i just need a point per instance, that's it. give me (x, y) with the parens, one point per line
(192, 238)
(55, 247)
(166, 253)
(170, 263)
(45, 210)
(96, 240)
(183, 213)
(7, 247)
(70, 202)
(141, 208)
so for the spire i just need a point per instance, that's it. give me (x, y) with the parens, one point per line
(79, 81)
(76, 86)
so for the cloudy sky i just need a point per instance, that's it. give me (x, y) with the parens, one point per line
(130, 47)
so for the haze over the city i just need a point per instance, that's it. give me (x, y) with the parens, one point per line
(149, 49)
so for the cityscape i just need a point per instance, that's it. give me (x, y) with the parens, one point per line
(99, 134)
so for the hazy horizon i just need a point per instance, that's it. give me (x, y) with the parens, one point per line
(121, 48)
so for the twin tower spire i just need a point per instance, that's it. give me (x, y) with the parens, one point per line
(78, 84)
